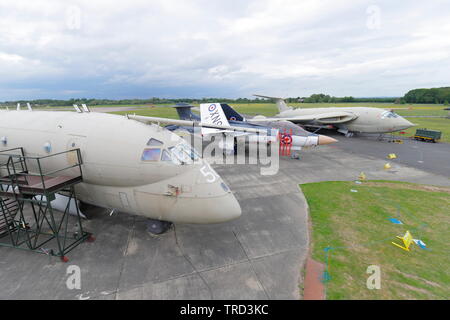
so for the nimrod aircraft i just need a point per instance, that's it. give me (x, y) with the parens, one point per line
(347, 120)
(128, 165)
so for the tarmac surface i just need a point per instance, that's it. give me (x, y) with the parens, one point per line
(258, 256)
(427, 156)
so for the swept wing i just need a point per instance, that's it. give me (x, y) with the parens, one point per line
(333, 117)
(189, 123)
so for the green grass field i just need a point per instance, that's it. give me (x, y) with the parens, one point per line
(356, 227)
(162, 112)
(441, 124)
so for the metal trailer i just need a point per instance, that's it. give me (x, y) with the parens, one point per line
(428, 135)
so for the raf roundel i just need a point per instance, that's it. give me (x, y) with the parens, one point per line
(212, 107)
(286, 139)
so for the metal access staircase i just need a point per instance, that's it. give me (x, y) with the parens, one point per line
(8, 211)
(40, 229)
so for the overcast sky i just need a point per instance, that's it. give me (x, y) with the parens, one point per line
(211, 48)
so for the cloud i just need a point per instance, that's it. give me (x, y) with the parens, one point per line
(54, 49)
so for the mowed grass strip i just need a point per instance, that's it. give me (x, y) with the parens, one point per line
(160, 111)
(439, 124)
(356, 226)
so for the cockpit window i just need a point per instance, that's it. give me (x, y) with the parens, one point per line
(152, 154)
(389, 114)
(184, 153)
(190, 151)
(154, 142)
(166, 156)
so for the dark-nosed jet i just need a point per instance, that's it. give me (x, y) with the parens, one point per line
(222, 113)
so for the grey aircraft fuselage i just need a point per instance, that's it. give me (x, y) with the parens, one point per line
(365, 120)
(127, 165)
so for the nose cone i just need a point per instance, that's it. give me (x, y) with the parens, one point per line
(207, 200)
(404, 124)
(401, 124)
(198, 195)
(326, 140)
(225, 208)
(205, 210)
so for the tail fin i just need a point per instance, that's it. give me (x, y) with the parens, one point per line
(212, 113)
(282, 106)
(185, 113)
(230, 113)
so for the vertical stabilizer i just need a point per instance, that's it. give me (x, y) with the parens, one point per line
(212, 113)
(185, 113)
(231, 114)
(282, 106)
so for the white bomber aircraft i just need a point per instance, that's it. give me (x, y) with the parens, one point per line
(127, 165)
(347, 120)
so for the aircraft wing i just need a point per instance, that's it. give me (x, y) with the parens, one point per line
(188, 123)
(322, 118)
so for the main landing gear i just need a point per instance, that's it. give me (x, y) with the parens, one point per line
(349, 134)
(158, 227)
(345, 132)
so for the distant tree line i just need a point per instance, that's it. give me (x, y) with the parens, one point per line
(433, 95)
(325, 98)
(97, 102)
(315, 98)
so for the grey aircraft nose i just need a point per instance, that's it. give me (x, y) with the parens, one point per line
(205, 210)
(227, 208)
(405, 124)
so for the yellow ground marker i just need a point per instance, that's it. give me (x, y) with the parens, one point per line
(392, 156)
(387, 166)
(362, 176)
(406, 239)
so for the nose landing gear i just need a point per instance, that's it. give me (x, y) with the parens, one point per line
(295, 155)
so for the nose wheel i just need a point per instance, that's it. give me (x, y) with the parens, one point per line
(157, 226)
(295, 155)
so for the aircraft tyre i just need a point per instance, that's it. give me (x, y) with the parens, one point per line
(295, 155)
(158, 226)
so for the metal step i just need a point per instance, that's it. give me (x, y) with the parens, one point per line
(17, 178)
(8, 210)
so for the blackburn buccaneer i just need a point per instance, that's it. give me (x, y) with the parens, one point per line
(220, 113)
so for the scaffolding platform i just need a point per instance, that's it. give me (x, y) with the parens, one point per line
(24, 180)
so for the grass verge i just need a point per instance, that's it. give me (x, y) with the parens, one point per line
(356, 226)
